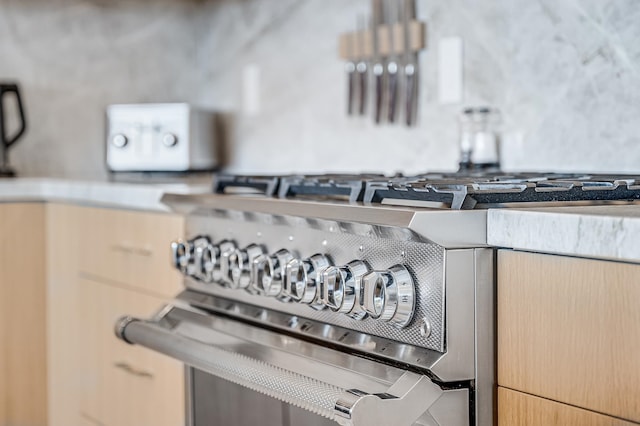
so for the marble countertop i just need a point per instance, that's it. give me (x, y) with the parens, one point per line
(604, 232)
(135, 196)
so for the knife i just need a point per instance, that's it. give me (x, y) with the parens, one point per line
(378, 63)
(350, 68)
(410, 64)
(362, 67)
(392, 64)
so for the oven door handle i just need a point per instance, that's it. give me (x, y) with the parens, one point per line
(401, 401)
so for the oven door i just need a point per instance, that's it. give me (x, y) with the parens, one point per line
(270, 365)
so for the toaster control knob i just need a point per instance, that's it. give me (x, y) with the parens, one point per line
(119, 140)
(239, 272)
(302, 278)
(341, 288)
(205, 258)
(181, 255)
(221, 272)
(268, 273)
(169, 140)
(390, 295)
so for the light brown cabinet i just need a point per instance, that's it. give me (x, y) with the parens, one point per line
(124, 384)
(569, 331)
(521, 409)
(128, 248)
(104, 263)
(23, 374)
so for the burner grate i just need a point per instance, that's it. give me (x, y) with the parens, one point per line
(454, 191)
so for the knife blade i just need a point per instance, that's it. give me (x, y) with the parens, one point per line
(362, 67)
(378, 62)
(410, 65)
(392, 63)
(350, 68)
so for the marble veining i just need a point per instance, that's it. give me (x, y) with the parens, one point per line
(565, 73)
(609, 232)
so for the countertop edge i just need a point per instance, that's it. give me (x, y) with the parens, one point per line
(130, 196)
(599, 236)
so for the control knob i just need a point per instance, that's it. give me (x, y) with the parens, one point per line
(221, 272)
(205, 255)
(302, 278)
(182, 255)
(341, 288)
(169, 140)
(268, 273)
(119, 140)
(239, 270)
(390, 295)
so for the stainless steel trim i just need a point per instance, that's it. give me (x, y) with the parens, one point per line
(433, 225)
(471, 324)
(485, 332)
(350, 340)
(343, 387)
(459, 316)
(403, 404)
(188, 397)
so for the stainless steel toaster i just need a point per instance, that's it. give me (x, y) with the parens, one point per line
(169, 137)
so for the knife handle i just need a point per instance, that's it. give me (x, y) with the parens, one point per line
(392, 70)
(351, 86)
(378, 72)
(411, 104)
(361, 69)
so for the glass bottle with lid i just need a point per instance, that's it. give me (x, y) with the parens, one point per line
(479, 139)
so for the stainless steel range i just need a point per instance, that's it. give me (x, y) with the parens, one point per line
(361, 300)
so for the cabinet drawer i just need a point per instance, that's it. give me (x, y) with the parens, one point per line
(130, 248)
(520, 409)
(124, 384)
(569, 330)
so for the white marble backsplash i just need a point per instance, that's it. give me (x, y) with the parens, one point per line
(565, 73)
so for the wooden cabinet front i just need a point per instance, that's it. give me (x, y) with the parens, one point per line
(569, 331)
(521, 409)
(132, 249)
(23, 367)
(96, 275)
(124, 384)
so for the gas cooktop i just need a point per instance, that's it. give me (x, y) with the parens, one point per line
(458, 191)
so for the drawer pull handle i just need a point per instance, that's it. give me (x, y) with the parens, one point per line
(131, 370)
(140, 251)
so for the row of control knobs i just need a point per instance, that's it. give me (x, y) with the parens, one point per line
(352, 289)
